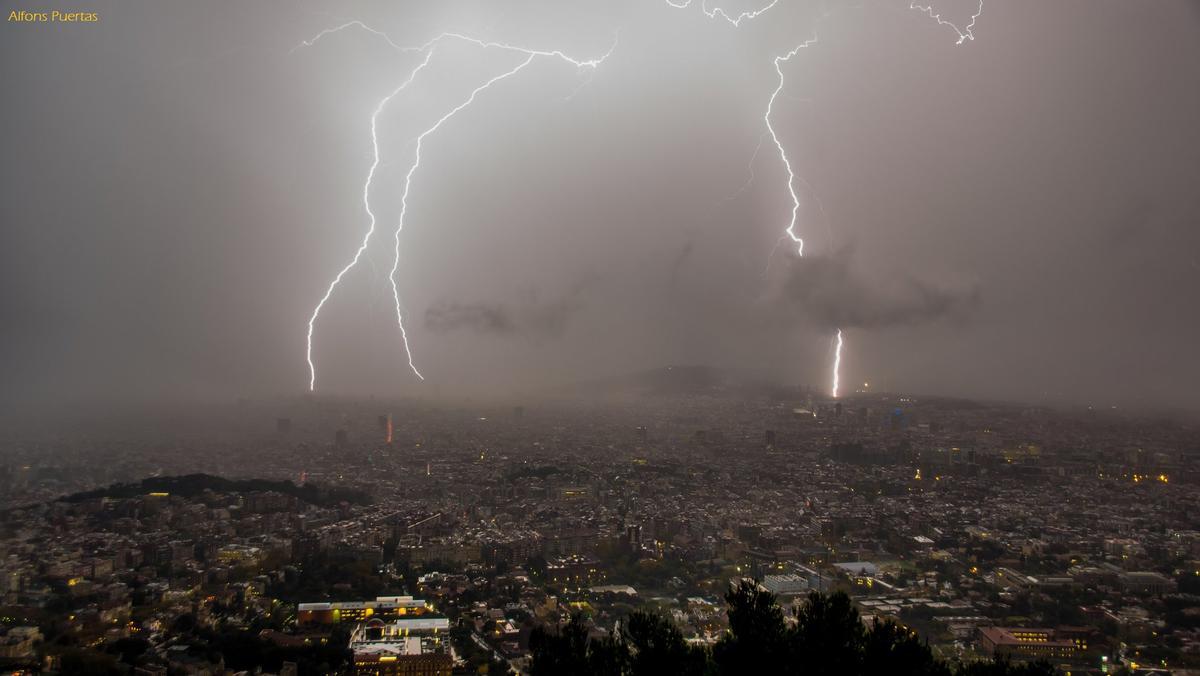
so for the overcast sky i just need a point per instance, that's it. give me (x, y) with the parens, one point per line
(1014, 217)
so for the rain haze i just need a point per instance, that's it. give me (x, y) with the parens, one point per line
(1011, 217)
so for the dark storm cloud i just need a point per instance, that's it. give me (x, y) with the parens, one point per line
(825, 289)
(531, 317)
(478, 317)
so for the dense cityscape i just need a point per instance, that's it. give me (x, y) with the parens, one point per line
(621, 338)
(323, 535)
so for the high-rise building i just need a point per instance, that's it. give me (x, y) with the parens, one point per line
(385, 426)
(341, 437)
(283, 425)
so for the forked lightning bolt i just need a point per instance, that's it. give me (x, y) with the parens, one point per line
(427, 49)
(790, 231)
(312, 369)
(404, 200)
(964, 34)
(718, 12)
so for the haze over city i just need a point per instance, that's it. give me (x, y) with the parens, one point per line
(618, 338)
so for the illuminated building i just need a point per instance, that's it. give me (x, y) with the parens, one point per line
(384, 608)
(574, 569)
(1027, 643)
(411, 646)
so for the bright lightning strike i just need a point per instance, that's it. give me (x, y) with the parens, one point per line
(312, 369)
(718, 12)
(790, 231)
(791, 182)
(427, 49)
(837, 364)
(404, 199)
(964, 34)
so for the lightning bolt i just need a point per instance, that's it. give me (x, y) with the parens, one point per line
(837, 364)
(749, 169)
(404, 199)
(427, 48)
(312, 369)
(718, 12)
(790, 231)
(964, 34)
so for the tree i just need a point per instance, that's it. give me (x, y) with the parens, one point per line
(892, 649)
(567, 652)
(656, 646)
(828, 638)
(1002, 667)
(755, 642)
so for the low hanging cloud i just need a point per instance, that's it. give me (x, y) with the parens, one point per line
(828, 291)
(529, 317)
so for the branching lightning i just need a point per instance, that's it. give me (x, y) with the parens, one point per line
(790, 231)
(964, 34)
(427, 49)
(404, 199)
(312, 369)
(718, 12)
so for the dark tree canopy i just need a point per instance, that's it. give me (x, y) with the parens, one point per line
(827, 638)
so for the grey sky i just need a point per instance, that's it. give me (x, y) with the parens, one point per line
(1017, 216)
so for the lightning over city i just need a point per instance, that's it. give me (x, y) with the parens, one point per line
(914, 439)
(790, 231)
(370, 215)
(427, 49)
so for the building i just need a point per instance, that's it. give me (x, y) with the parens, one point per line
(1016, 642)
(416, 646)
(1147, 583)
(383, 608)
(786, 585)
